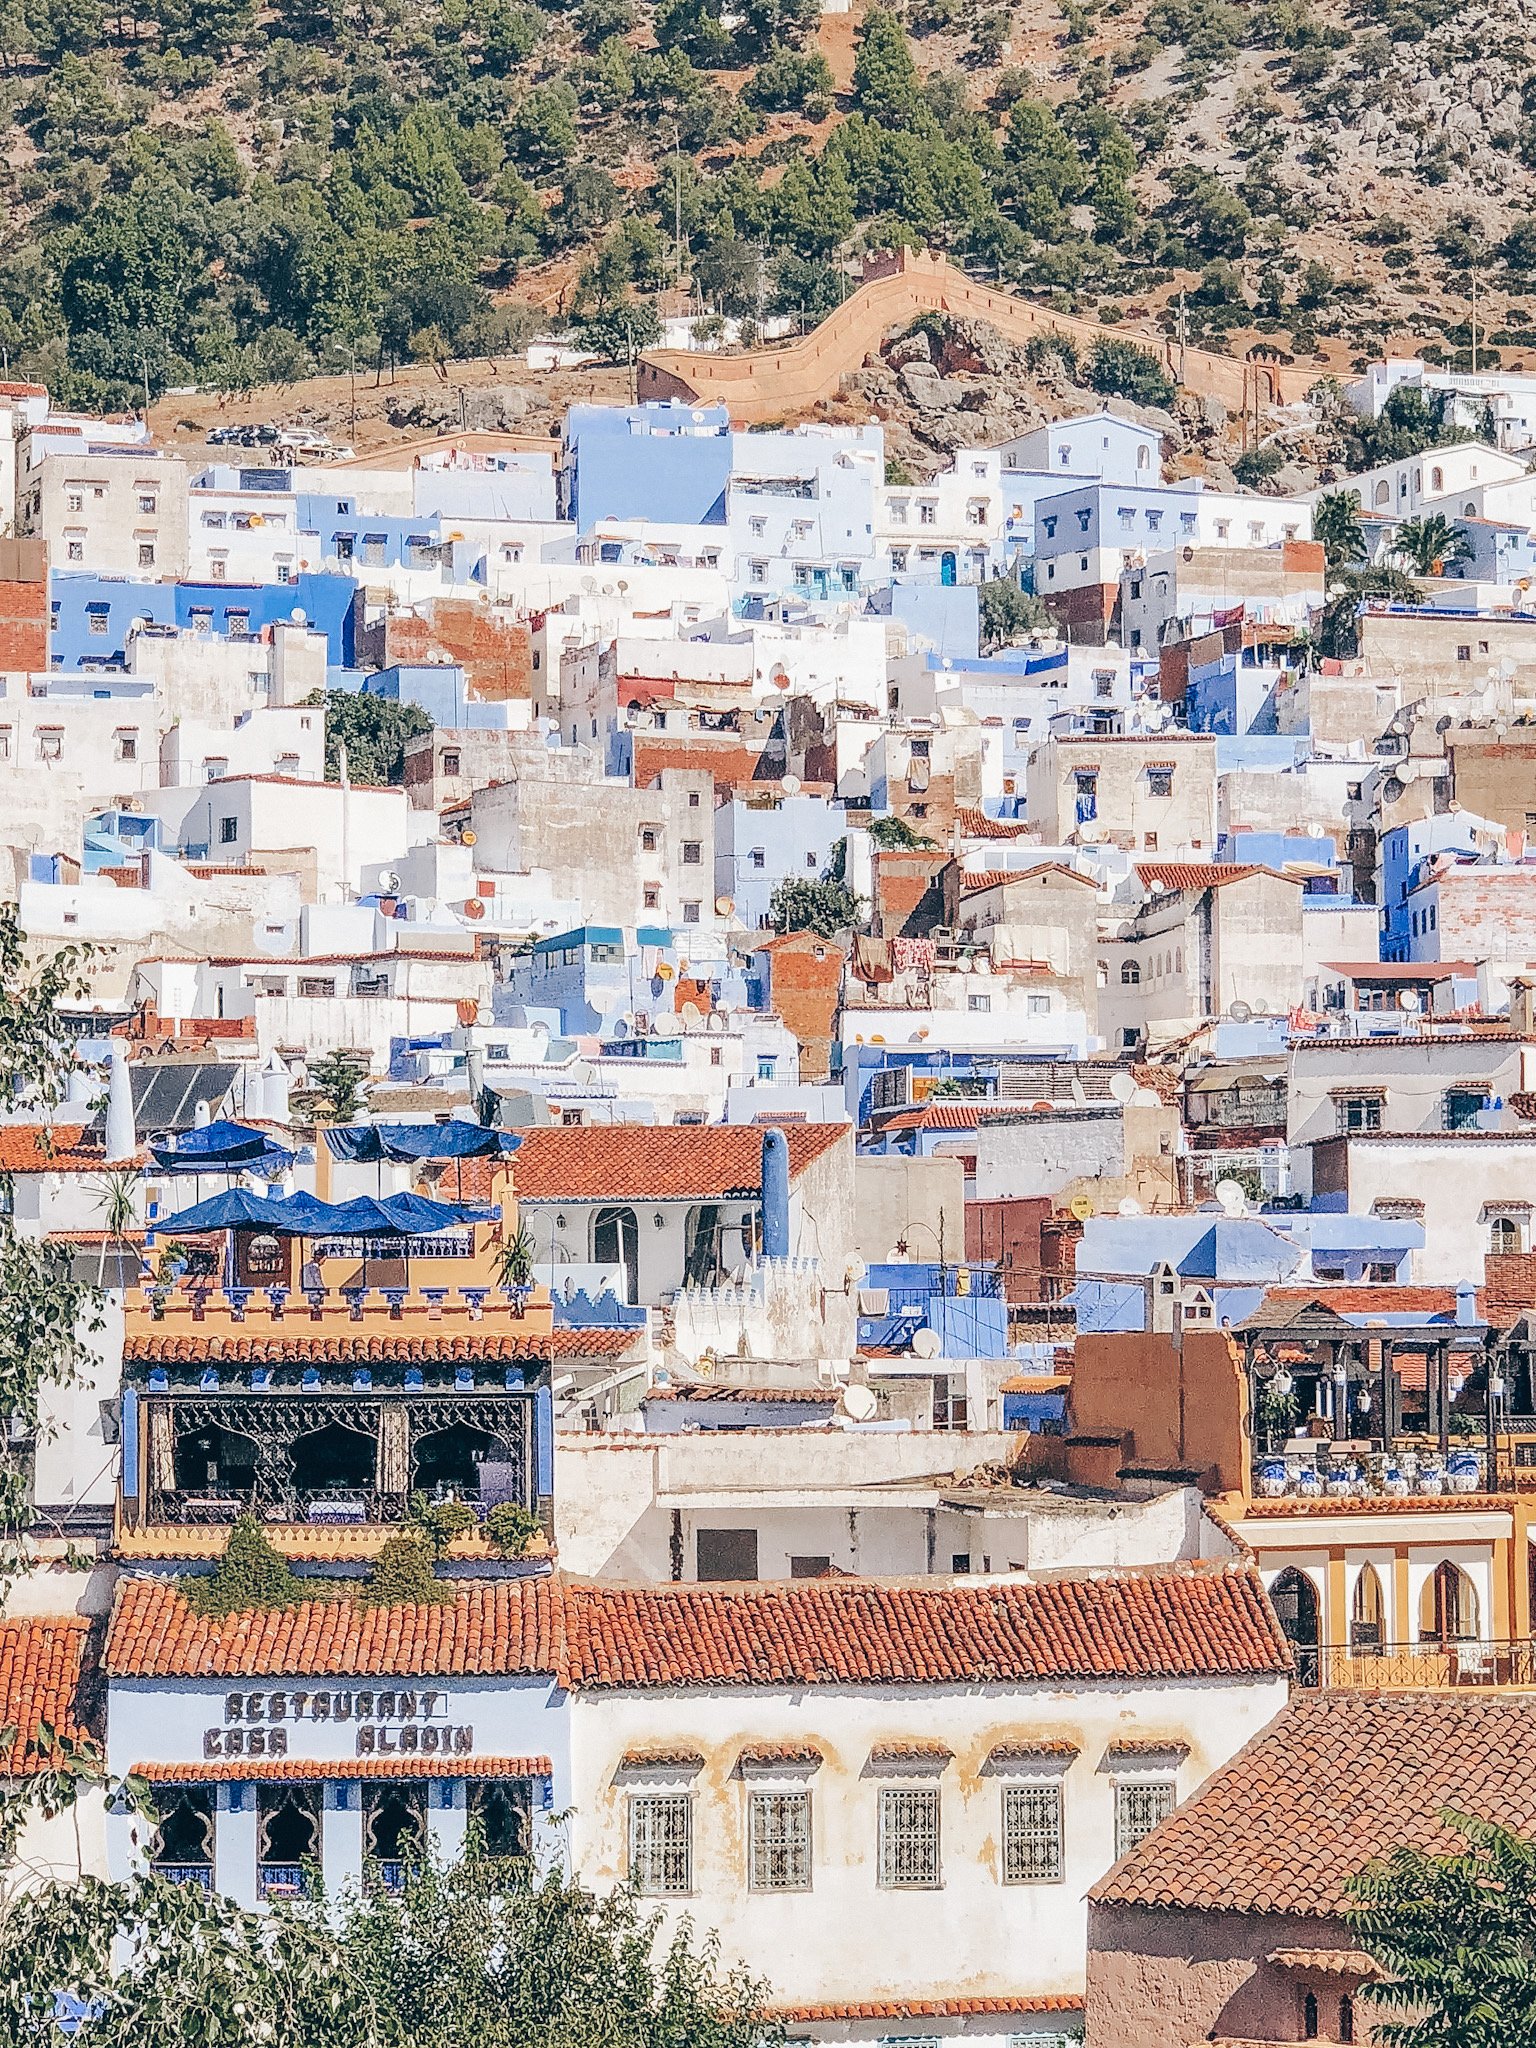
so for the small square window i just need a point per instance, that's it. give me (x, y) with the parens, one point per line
(909, 1838)
(647, 838)
(661, 1844)
(651, 897)
(1032, 1831)
(690, 913)
(779, 1842)
(127, 746)
(229, 831)
(146, 554)
(1138, 1810)
(693, 853)
(759, 857)
(1159, 782)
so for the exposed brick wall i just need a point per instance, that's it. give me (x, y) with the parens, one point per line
(24, 625)
(914, 891)
(804, 991)
(494, 650)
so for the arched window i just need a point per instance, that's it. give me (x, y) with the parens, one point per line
(1383, 493)
(1366, 1623)
(1505, 1236)
(1448, 1605)
(1437, 479)
(1309, 2017)
(1143, 459)
(1346, 2018)
(1294, 1598)
(1130, 975)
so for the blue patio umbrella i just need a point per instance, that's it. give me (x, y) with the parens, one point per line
(222, 1147)
(238, 1209)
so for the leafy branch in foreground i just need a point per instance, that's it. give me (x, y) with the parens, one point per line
(488, 1951)
(1456, 1935)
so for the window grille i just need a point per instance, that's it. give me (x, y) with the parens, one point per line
(780, 1837)
(909, 1836)
(1032, 1830)
(661, 1843)
(1138, 1809)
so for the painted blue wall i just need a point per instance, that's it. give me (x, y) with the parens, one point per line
(666, 462)
(324, 600)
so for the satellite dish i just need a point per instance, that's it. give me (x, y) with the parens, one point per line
(469, 839)
(1145, 1098)
(667, 1026)
(1081, 1207)
(1408, 999)
(1231, 1197)
(389, 883)
(790, 784)
(1121, 1087)
(1130, 1207)
(859, 1403)
(621, 1027)
(925, 1343)
(1239, 1011)
(724, 905)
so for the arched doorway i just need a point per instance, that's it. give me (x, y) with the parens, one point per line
(1448, 1606)
(948, 567)
(1367, 1621)
(450, 1458)
(334, 1459)
(1294, 1599)
(616, 1242)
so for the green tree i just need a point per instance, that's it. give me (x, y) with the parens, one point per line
(1336, 523)
(373, 730)
(1338, 635)
(1456, 1936)
(797, 82)
(488, 1951)
(1408, 424)
(336, 1083)
(131, 276)
(1120, 369)
(893, 834)
(1007, 613)
(825, 907)
(885, 81)
(622, 331)
(47, 1316)
(250, 1574)
(1430, 543)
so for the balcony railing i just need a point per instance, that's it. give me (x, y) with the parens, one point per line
(198, 1874)
(1433, 1664)
(280, 1880)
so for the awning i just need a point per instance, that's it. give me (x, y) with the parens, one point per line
(456, 1139)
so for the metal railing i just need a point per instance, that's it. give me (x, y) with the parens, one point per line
(1434, 1664)
(280, 1880)
(198, 1874)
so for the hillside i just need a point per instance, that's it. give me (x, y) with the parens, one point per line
(211, 194)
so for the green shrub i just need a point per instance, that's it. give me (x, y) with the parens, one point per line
(251, 1573)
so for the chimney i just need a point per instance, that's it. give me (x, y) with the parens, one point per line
(122, 1138)
(775, 1195)
(1466, 1304)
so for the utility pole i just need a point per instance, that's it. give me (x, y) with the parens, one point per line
(677, 191)
(144, 369)
(352, 386)
(1183, 333)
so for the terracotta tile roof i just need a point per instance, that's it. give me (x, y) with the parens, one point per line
(43, 1672)
(1146, 1745)
(922, 2009)
(1203, 874)
(975, 824)
(1337, 1962)
(35, 1148)
(1338, 1779)
(816, 1397)
(681, 1759)
(490, 1630)
(1382, 1300)
(1183, 1621)
(951, 1116)
(911, 1752)
(1180, 1621)
(656, 1162)
(152, 1347)
(297, 1770)
(1028, 1752)
(996, 878)
(780, 1753)
(304, 1542)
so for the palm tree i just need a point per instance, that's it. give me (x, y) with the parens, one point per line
(1430, 542)
(117, 1197)
(1337, 632)
(1336, 523)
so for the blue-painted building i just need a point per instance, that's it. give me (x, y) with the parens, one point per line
(759, 845)
(1500, 554)
(442, 691)
(598, 979)
(962, 1304)
(92, 617)
(1402, 852)
(666, 462)
(347, 538)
